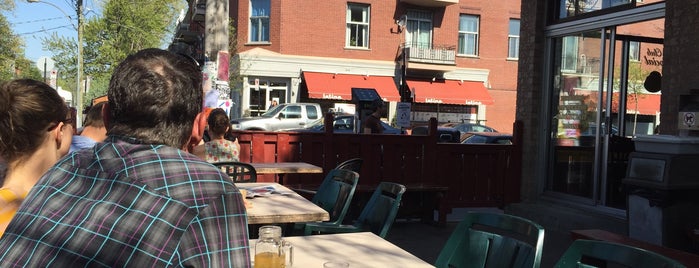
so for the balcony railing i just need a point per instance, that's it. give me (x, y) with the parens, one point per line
(435, 54)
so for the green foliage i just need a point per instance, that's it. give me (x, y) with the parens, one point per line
(98, 87)
(122, 28)
(13, 64)
(7, 5)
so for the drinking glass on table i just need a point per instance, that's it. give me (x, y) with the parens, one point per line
(335, 264)
(271, 251)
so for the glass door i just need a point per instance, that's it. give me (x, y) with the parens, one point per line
(578, 81)
(599, 102)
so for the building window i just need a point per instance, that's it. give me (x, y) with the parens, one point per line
(468, 35)
(419, 27)
(357, 35)
(569, 61)
(569, 8)
(259, 20)
(513, 40)
(634, 51)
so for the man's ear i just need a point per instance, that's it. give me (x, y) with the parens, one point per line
(106, 115)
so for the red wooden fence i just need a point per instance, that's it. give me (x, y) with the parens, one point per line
(476, 175)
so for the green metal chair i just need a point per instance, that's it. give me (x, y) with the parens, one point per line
(593, 253)
(377, 216)
(238, 171)
(335, 194)
(493, 240)
(354, 164)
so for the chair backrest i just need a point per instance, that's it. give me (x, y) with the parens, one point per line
(335, 193)
(493, 240)
(593, 253)
(238, 171)
(380, 211)
(354, 164)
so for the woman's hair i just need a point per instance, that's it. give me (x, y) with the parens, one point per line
(218, 122)
(28, 109)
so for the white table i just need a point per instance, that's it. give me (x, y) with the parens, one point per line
(288, 207)
(358, 249)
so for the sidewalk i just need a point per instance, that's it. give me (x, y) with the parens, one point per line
(426, 240)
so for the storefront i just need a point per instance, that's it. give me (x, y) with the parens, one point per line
(582, 96)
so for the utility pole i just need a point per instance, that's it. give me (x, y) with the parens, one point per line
(79, 91)
(216, 27)
(215, 41)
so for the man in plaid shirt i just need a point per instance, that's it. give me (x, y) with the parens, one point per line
(138, 199)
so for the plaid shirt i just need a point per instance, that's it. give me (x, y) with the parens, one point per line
(128, 204)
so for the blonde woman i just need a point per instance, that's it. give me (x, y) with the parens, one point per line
(35, 131)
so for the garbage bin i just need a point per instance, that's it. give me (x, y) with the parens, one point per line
(662, 183)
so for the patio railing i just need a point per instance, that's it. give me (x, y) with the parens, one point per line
(476, 175)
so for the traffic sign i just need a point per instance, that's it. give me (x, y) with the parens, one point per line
(403, 114)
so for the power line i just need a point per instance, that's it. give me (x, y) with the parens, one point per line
(45, 30)
(40, 20)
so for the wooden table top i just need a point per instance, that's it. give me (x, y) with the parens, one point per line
(286, 168)
(363, 249)
(287, 207)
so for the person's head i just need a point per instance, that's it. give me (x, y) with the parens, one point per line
(154, 96)
(93, 117)
(218, 122)
(31, 113)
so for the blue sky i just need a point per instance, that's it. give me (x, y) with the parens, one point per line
(32, 21)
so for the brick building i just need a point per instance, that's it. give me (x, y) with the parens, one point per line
(455, 60)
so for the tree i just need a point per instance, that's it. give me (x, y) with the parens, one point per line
(13, 64)
(635, 90)
(122, 28)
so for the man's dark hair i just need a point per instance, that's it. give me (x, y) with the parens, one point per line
(93, 117)
(154, 96)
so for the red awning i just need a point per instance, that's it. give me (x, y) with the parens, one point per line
(648, 104)
(450, 92)
(339, 86)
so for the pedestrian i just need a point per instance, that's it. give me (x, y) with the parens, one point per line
(372, 123)
(137, 199)
(35, 131)
(219, 148)
(93, 130)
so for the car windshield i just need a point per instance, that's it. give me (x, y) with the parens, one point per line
(273, 111)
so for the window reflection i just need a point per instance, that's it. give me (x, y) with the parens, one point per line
(570, 8)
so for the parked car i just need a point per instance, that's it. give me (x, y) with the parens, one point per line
(342, 124)
(487, 138)
(285, 115)
(469, 127)
(444, 134)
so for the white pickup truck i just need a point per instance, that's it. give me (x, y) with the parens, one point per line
(282, 116)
